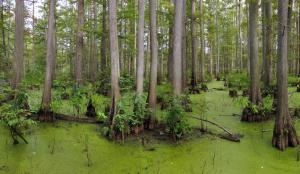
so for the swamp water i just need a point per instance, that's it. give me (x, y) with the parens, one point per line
(71, 148)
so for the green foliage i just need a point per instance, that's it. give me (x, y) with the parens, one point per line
(139, 110)
(126, 82)
(293, 80)
(238, 80)
(14, 117)
(101, 116)
(176, 122)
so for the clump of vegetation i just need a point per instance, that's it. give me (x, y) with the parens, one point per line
(237, 81)
(126, 82)
(253, 112)
(293, 80)
(176, 122)
(15, 115)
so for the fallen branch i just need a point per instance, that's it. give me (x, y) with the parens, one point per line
(219, 126)
(229, 136)
(63, 117)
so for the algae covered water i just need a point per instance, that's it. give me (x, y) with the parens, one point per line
(63, 147)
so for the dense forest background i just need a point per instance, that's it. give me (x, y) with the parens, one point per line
(72, 50)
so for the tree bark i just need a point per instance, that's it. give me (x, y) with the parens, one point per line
(255, 96)
(194, 42)
(79, 42)
(104, 37)
(114, 56)
(218, 41)
(184, 56)
(153, 71)
(202, 40)
(93, 59)
(50, 63)
(177, 47)
(284, 133)
(140, 48)
(19, 44)
(267, 42)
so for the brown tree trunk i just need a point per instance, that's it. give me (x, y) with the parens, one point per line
(184, 56)
(170, 56)
(19, 44)
(114, 56)
(194, 42)
(79, 42)
(45, 112)
(255, 97)
(284, 133)
(153, 71)
(202, 40)
(140, 48)
(93, 59)
(177, 47)
(104, 37)
(267, 42)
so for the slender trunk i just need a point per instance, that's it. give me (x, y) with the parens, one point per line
(140, 48)
(93, 59)
(184, 57)
(255, 97)
(3, 30)
(79, 42)
(202, 40)
(104, 37)
(240, 36)
(19, 44)
(153, 71)
(194, 42)
(170, 56)
(267, 42)
(114, 56)
(284, 133)
(218, 41)
(177, 47)
(50, 63)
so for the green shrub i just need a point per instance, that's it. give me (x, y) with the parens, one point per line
(176, 122)
(238, 80)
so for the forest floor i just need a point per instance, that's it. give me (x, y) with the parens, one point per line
(65, 147)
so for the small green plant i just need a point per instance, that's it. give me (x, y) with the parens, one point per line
(139, 110)
(16, 120)
(101, 116)
(176, 122)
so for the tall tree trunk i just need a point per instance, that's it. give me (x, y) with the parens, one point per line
(93, 59)
(140, 48)
(184, 56)
(267, 42)
(255, 96)
(19, 44)
(289, 27)
(3, 30)
(79, 42)
(240, 36)
(177, 47)
(114, 56)
(153, 71)
(170, 56)
(202, 40)
(194, 42)
(284, 133)
(218, 41)
(45, 114)
(104, 37)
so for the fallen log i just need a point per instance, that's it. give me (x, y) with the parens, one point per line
(63, 117)
(229, 136)
(75, 119)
